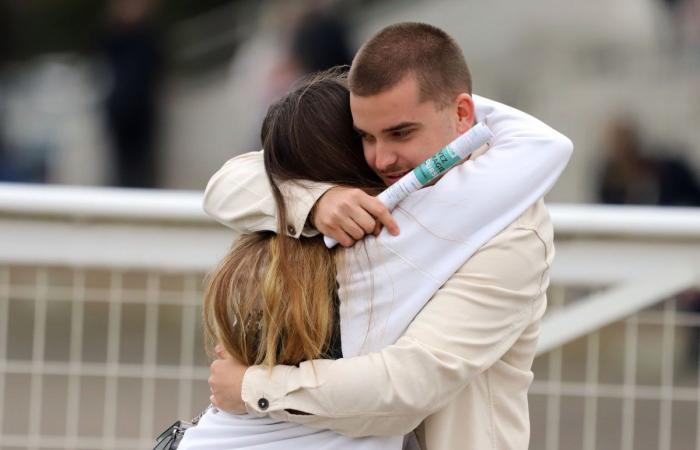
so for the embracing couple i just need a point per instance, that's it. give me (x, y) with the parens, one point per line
(419, 330)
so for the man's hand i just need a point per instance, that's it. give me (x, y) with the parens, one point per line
(349, 214)
(225, 383)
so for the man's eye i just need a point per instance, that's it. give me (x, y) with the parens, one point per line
(401, 133)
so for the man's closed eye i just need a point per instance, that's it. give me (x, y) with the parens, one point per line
(401, 134)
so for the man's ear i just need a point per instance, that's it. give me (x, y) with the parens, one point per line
(465, 112)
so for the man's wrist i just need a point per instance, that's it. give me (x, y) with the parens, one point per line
(248, 396)
(263, 390)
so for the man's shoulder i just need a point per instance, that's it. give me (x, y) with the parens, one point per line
(532, 228)
(514, 260)
(535, 217)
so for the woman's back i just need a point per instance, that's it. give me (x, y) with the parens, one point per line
(221, 430)
(264, 314)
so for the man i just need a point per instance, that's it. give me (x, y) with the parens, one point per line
(463, 366)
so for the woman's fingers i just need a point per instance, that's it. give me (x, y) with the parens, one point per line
(351, 227)
(364, 220)
(342, 237)
(349, 214)
(380, 213)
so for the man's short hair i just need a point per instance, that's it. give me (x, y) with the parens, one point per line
(423, 50)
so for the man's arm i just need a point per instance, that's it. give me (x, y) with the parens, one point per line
(468, 325)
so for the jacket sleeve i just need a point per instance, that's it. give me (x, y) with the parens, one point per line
(239, 196)
(471, 321)
(467, 326)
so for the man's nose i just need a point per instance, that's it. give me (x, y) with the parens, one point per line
(385, 157)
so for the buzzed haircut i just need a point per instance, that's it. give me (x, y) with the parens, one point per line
(423, 50)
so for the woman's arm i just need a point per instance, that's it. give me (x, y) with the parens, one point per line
(482, 196)
(445, 224)
(239, 196)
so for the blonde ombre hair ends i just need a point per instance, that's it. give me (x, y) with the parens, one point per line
(268, 307)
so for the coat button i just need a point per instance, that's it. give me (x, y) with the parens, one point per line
(291, 230)
(263, 403)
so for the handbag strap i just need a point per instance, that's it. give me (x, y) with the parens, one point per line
(196, 419)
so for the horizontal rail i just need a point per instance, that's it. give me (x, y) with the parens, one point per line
(170, 205)
(616, 303)
(626, 220)
(101, 203)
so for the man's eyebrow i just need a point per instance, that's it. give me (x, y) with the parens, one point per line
(399, 127)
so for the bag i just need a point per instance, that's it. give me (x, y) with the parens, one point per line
(171, 437)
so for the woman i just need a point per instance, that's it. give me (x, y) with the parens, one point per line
(273, 298)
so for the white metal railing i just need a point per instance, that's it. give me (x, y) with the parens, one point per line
(172, 206)
(100, 336)
(73, 202)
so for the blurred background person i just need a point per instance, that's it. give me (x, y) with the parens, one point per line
(133, 58)
(291, 41)
(685, 29)
(632, 176)
(316, 41)
(320, 41)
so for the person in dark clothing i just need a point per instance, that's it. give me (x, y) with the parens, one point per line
(134, 61)
(320, 42)
(631, 177)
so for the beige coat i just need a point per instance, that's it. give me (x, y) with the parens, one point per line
(462, 368)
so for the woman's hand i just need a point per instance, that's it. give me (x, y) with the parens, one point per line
(225, 381)
(349, 214)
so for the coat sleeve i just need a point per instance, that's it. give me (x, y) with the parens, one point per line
(239, 196)
(465, 328)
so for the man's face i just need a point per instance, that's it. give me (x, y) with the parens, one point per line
(399, 131)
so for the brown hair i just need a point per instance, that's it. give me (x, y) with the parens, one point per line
(411, 48)
(271, 300)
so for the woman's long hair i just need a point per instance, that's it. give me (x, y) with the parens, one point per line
(271, 300)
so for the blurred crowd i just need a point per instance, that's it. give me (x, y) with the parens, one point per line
(130, 62)
(117, 87)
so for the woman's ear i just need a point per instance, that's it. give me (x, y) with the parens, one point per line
(465, 112)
